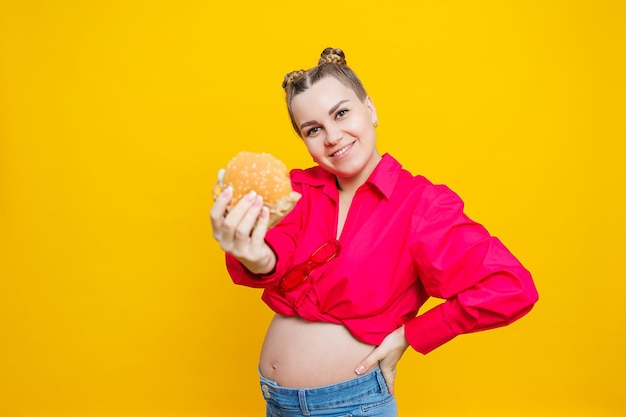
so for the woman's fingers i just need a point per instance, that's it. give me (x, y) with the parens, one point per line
(234, 216)
(387, 354)
(248, 221)
(218, 211)
(259, 231)
(378, 357)
(242, 230)
(389, 374)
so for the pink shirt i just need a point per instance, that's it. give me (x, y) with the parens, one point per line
(403, 241)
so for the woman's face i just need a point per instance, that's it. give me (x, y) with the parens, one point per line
(337, 129)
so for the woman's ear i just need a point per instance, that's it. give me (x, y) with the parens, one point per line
(369, 103)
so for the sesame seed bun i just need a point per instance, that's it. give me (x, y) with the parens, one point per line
(263, 173)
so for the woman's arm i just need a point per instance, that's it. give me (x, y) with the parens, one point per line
(483, 284)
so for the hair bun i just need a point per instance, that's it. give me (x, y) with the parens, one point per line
(291, 77)
(332, 56)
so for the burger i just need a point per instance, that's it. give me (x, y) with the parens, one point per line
(263, 173)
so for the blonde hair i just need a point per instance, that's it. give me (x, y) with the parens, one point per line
(332, 63)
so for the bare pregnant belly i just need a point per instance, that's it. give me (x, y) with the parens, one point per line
(299, 354)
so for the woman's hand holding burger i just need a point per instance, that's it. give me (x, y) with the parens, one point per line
(241, 231)
(252, 194)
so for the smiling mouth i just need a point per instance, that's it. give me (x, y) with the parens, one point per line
(342, 150)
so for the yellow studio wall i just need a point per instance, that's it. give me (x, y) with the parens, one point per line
(115, 117)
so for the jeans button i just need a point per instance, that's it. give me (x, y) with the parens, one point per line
(266, 391)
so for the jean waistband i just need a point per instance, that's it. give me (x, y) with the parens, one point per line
(326, 395)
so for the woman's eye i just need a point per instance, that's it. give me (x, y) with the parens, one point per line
(341, 113)
(311, 131)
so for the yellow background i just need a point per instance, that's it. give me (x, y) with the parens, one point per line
(116, 115)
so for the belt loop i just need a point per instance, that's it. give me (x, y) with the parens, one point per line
(302, 400)
(381, 380)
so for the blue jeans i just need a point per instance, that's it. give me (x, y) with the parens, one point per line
(365, 395)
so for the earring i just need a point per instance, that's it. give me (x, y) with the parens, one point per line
(376, 124)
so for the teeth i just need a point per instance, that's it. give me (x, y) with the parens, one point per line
(341, 151)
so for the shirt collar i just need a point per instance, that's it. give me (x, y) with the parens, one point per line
(384, 177)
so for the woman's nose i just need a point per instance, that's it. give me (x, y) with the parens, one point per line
(333, 136)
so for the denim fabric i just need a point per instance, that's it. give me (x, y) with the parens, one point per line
(363, 396)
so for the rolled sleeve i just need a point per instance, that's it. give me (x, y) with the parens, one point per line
(278, 242)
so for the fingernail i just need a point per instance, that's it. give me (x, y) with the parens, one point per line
(228, 191)
(251, 195)
(258, 201)
(360, 370)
